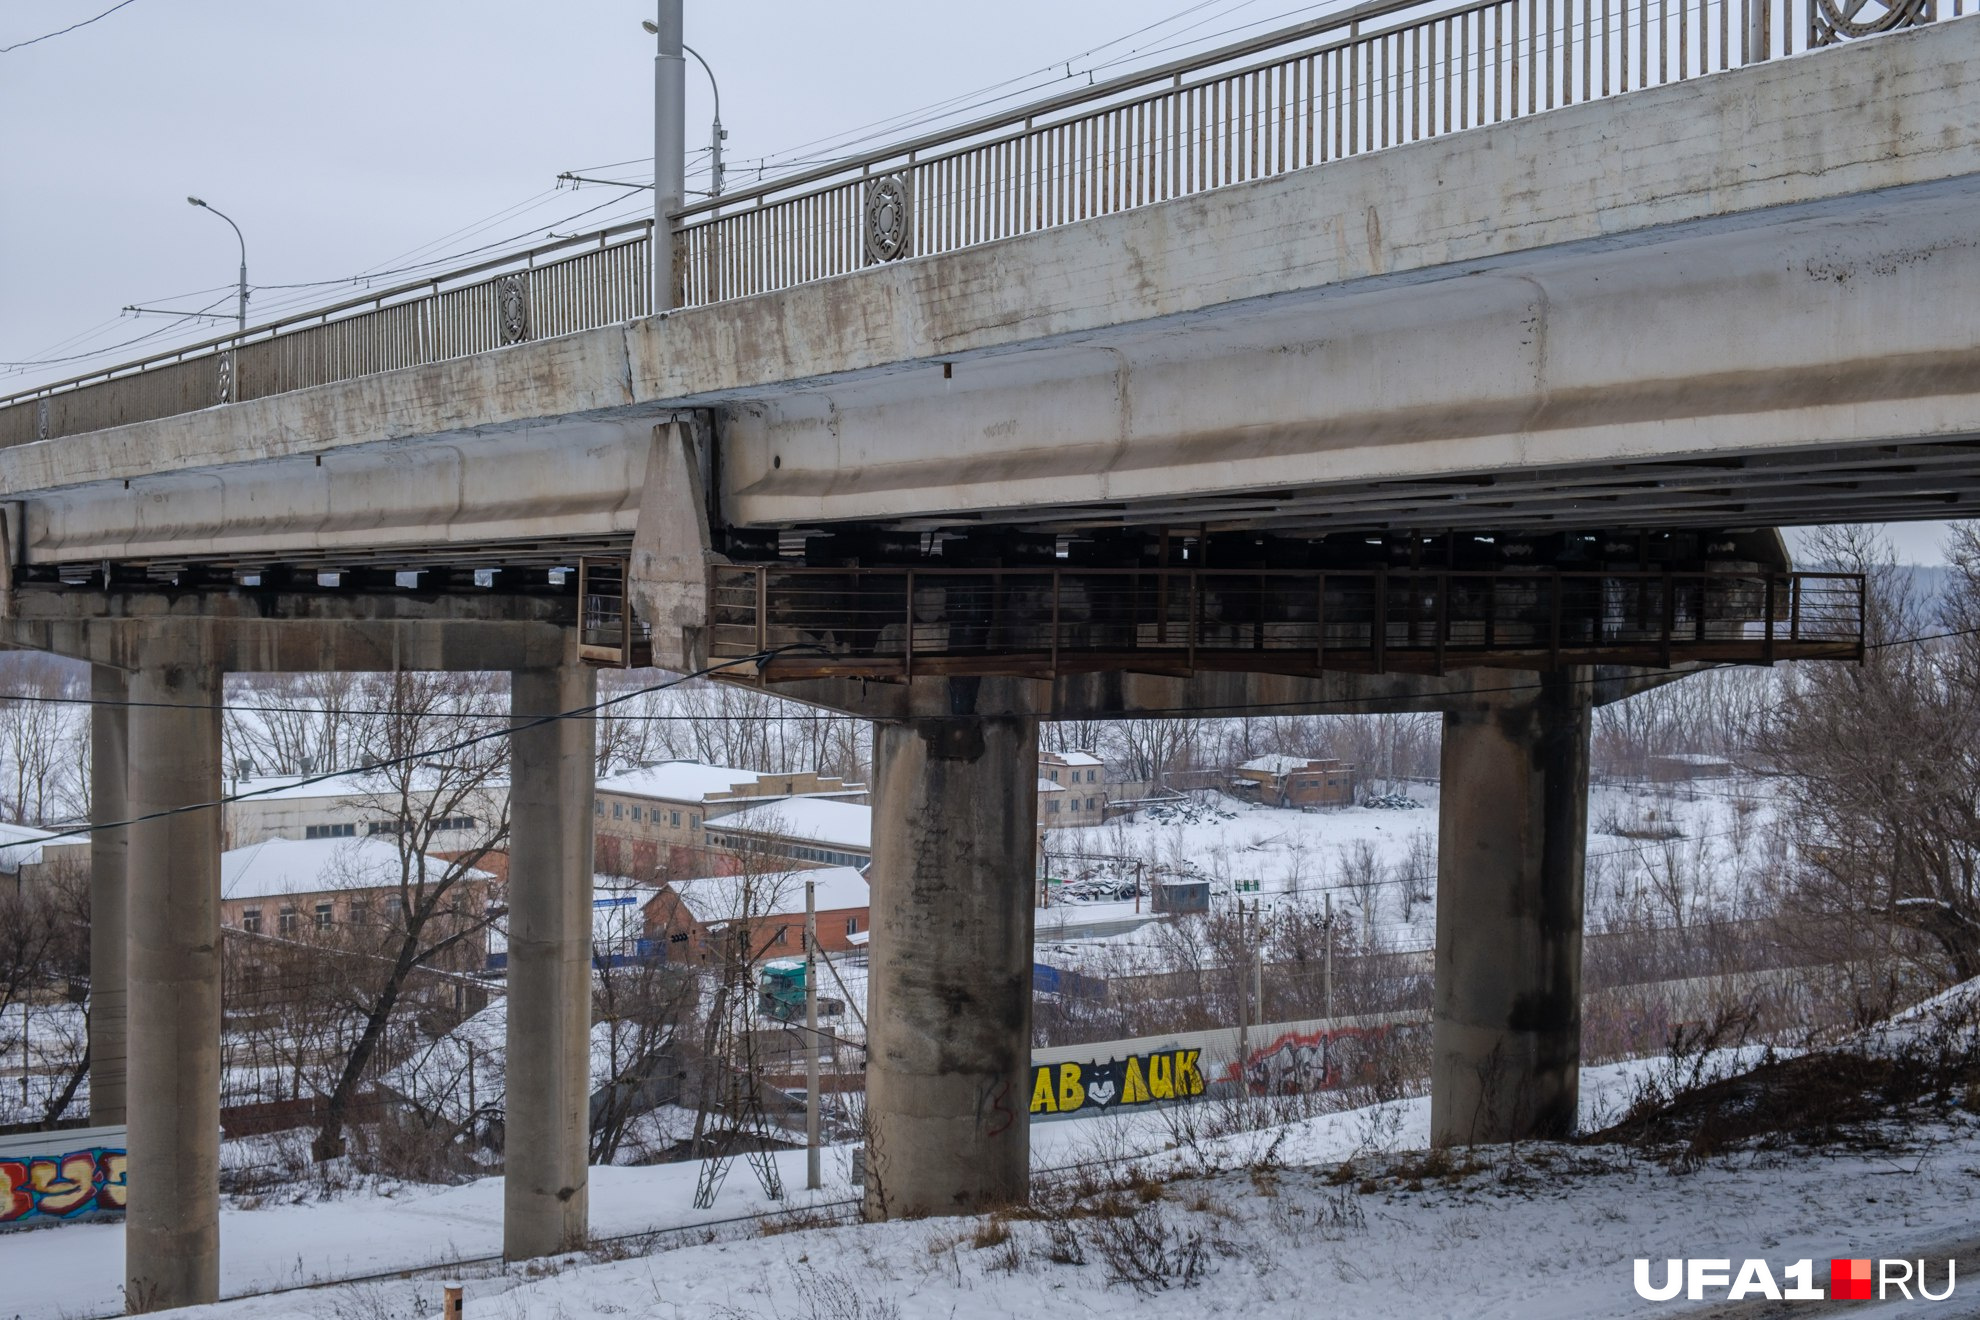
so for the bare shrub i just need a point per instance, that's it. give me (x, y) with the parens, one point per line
(1150, 1254)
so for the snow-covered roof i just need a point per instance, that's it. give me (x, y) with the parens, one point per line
(1277, 763)
(1073, 758)
(679, 781)
(1050, 786)
(277, 867)
(362, 785)
(816, 820)
(20, 845)
(718, 898)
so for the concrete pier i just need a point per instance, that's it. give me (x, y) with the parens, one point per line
(1507, 1023)
(545, 1191)
(949, 988)
(172, 1229)
(109, 845)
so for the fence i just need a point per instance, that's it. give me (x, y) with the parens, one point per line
(1373, 76)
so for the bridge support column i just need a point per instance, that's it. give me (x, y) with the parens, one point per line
(172, 1224)
(1507, 1025)
(949, 984)
(545, 1183)
(109, 761)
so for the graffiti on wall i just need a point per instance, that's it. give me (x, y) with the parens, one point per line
(1139, 1079)
(51, 1189)
(1322, 1060)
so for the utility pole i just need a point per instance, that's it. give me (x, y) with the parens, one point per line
(1257, 968)
(811, 1179)
(669, 147)
(1244, 1021)
(1327, 974)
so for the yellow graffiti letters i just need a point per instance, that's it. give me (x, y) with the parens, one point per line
(1161, 1078)
(1071, 1094)
(1134, 1091)
(1189, 1076)
(1043, 1101)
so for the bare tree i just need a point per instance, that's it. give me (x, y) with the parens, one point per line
(1882, 777)
(435, 915)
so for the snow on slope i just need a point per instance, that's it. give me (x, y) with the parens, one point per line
(1549, 1233)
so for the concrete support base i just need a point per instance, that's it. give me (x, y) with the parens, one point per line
(949, 988)
(545, 1187)
(172, 1228)
(1507, 1025)
(109, 760)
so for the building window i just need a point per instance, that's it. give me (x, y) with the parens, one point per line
(251, 920)
(1090, 774)
(674, 819)
(330, 831)
(288, 920)
(694, 821)
(1055, 779)
(782, 937)
(360, 912)
(1053, 808)
(618, 811)
(635, 814)
(323, 916)
(1089, 807)
(852, 928)
(597, 807)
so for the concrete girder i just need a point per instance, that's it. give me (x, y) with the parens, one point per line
(245, 631)
(1159, 696)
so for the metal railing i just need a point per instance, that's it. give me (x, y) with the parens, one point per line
(1373, 76)
(903, 621)
(579, 283)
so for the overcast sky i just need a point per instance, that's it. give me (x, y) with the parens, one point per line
(368, 135)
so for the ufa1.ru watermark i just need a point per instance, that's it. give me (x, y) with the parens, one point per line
(1850, 1280)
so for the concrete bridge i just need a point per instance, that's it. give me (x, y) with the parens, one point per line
(1435, 358)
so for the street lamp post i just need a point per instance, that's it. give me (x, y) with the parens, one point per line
(240, 315)
(716, 134)
(669, 146)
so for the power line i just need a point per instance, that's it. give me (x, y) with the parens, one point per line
(71, 28)
(415, 758)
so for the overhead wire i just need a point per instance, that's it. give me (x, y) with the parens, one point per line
(60, 32)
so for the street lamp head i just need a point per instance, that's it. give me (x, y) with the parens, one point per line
(652, 28)
(196, 201)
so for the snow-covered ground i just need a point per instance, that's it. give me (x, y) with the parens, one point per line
(1660, 854)
(1543, 1232)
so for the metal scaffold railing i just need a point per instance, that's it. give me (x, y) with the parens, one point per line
(898, 621)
